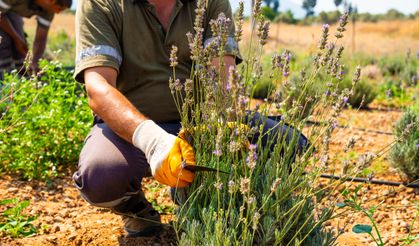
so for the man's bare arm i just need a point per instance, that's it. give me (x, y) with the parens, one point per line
(19, 41)
(228, 62)
(109, 104)
(39, 43)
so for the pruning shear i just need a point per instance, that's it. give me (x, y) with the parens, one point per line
(196, 168)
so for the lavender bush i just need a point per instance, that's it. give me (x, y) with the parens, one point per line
(268, 196)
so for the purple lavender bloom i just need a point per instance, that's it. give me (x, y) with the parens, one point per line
(253, 147)
(345, 99)
(389, 93)
(217, 152)
(328, 93)
(286, 56)
(286, 74)
(244, 100)
(325, 27)
(334, 124)
(414, 80)
(417, 145)
(228, 87)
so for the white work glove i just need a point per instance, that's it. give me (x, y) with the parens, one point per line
(165, 154)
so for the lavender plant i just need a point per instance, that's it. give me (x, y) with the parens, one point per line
(404, 155)
(265, 197)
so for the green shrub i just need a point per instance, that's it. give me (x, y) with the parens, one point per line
(404, 156)
(61, 47)
(303, 95)
(44, 121)
(363, 93)
(392, 88)
(403, 67)
(263, 88)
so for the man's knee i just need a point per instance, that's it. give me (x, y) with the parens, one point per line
(104, 184)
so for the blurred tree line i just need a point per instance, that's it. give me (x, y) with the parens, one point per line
(271, 11)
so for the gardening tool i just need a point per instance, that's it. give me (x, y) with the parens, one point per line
(195, 168)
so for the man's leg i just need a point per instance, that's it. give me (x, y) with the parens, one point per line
(109, 175)
(274, 132)
(6, 51)
(17, 23)
(9, 57)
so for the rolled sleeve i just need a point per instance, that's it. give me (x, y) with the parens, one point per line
(98, 29)
(44, 20)
(5, 5)
(231, 47)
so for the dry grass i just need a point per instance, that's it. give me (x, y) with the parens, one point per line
(380, 38)
(61, 22)
(387, 37)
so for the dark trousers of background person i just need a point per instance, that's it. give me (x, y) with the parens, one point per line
(9, 57)
(110, 169)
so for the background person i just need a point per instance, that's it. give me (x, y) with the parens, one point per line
(13, 44)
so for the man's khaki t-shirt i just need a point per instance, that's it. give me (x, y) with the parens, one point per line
(127, 36)
(26, 8)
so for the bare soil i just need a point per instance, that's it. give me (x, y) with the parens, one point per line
(72, 221)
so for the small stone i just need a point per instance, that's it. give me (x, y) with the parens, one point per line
(28, 188)
(404, 224)
(72, 236)
(64, 213)
(55, 228)
(12, 190)
(58, 219)
(385, 192)
(405, 202)
(52, 239)
(49, 219)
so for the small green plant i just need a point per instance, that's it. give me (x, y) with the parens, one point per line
(355, 203)
(13, 222)
(363, 94)
(411, 238)
(404, 156)
(43, 122)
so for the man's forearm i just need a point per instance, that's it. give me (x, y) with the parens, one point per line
(227, 61)
(109, 104)
(39, 43)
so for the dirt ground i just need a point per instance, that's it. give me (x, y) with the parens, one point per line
(71, 221)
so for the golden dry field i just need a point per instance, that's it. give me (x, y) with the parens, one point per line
(382, 38)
